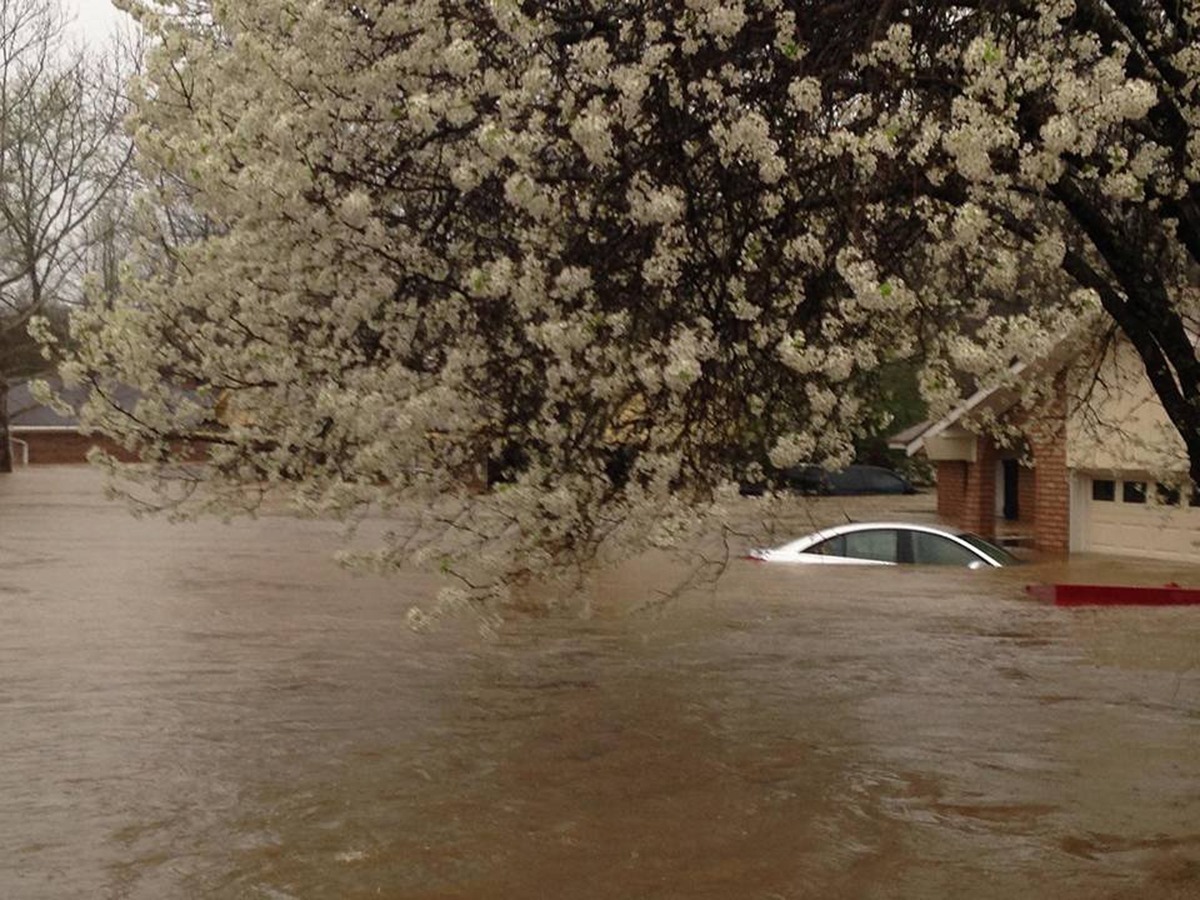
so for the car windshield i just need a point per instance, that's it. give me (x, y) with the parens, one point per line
(999, 554)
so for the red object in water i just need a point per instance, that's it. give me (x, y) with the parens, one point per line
(1115, 594)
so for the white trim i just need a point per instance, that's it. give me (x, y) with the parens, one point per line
(969, 404)
(1079, 497)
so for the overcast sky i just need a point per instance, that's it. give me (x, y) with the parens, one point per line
(95, 20)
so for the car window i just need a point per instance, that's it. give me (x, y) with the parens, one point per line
(835, 546)
(878, 544)
(935, 550)
(999, 554)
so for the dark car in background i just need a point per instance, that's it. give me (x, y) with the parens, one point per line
(852, 480)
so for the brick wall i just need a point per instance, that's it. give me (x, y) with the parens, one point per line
(1052, 487)
(1026, 496)
(60, 447)
(966, 492)
(1052, 501)
(951, 490)
(979, 503)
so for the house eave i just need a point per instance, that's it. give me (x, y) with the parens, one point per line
(912, 445)
(952, 445)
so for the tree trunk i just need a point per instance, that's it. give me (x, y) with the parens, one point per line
(1144, 311)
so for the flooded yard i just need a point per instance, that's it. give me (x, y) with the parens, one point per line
(219, 711)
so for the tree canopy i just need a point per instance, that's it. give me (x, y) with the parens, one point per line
(61, 157)
(553, 272)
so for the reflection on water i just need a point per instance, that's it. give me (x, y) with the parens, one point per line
(200, 711)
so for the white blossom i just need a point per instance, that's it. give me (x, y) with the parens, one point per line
(433, 236)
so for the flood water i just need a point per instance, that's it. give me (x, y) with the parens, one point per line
(219, 712)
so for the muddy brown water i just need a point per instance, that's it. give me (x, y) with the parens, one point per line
(218, 711)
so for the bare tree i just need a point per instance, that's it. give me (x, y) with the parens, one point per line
(62, 157)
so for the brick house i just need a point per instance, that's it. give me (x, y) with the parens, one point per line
(1094, 465)
(39, 435)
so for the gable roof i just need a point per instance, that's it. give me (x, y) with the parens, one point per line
(1000, 395)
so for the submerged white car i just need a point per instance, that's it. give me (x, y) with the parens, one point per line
(889, 543)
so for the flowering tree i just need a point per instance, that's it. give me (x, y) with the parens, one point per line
(59, 161)
(615, 254)
(575, 246)
(1056, 149)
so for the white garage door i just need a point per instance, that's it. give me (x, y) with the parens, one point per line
(1133, 516)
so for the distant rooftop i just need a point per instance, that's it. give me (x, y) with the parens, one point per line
(26, 412)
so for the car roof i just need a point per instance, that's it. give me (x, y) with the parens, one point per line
(916, 526)
(851, 527)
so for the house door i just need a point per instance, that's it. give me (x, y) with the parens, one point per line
(1010, 469)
